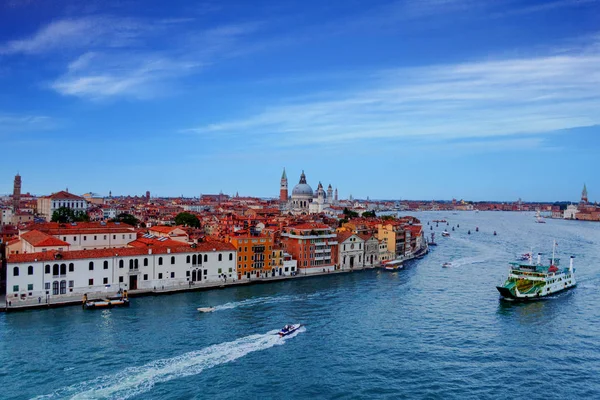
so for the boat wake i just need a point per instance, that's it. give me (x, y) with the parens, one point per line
(134, 381)
(260, 301)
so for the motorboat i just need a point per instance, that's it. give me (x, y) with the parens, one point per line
(445, 233)
(119, 300)
(289, 329)
(206, 309)
(476, 229)
(393, 265)
(447, 265)
(495, 233)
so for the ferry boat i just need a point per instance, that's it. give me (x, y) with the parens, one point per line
(109, 302)
(288, 329)
(393, 265)
(533, 281)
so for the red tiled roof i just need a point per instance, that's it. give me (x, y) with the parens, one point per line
(64, 195)
(344, 235)
(105, 253)
(148, 242)
(40, 239)
(309, 226)
(163, 228)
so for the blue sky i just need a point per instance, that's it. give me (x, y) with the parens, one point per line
(427, 99)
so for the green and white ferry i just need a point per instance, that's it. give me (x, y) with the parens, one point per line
(530, 280)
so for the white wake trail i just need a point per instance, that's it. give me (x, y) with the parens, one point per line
(133, 381)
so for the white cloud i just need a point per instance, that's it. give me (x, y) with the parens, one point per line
(17, 123)
(467, 100)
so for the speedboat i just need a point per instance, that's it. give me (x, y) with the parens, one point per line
(206, 309)
(447, 264)
(288, 329)
(445, 233)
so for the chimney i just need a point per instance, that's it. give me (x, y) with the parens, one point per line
(168, 251)
(571, 264)
(149, 251)
(539, 260)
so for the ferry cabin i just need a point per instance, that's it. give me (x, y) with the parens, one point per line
(38, 277)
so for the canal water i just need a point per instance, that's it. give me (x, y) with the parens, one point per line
(423, 332)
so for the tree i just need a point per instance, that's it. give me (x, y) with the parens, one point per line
(369, 214)
(127, 219)
(65, 215)
(349, 213)
(187, 219)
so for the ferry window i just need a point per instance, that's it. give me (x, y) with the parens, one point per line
(172, 274)
(16, 271)
(145, 262)
(47, 268)
(160, 275)
(159, 261)
(71, 267)
(91, 265)
(105, 281)
(220, 257)
(105, 264)
(145, 277)
(30, 270)
(172, 259)
(15, 288)
(120, 263)
(30, 286)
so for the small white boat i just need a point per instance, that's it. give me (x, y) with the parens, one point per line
(206, 309)
(445, 233)
(288, 329)
(447, 264)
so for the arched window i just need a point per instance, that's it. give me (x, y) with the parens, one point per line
(63, 269)
(55, 287)
(91, 265)
(47, 268)
(194, 259)
(136, 264)
(63, 287)
(71, 267)
(105, 264)
(206, 258)
(188, 259)
(172, 259)
(16, 271)
(131, 264)
(230, 256)
(55, 269)
(30, 270)
(120, 263)
(145, 262)
(159, 260)
(220, 257)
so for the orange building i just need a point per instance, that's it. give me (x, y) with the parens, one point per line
(255, 256)
(314, 245)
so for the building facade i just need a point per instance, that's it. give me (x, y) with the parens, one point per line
(313, 245)
(47, 205)
(351, 251)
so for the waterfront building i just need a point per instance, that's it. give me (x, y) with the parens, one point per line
(35, 277)
(303, 199)
(171, 232)
(371, 254)
(313, 245)
(394, 235)
(254, 256)
(571, 212)
(351, 250)
(35, 241)
(48, 204)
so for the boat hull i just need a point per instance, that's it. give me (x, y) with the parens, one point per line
(293, 329)
(507, 294)
(95, 305)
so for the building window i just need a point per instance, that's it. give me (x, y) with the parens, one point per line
(64, 238)
(55, 287)
(63, 269)
(230, 256)
(220, 257)
(240, 258)
(91, 265)
(136, 264)
(71, 267)
(47, 268)
(172, 259)
(104, 237)
(120, 279)
(30, 270)
(145, 277)
(131, 264)
(47, 285)
(205, 272)
(63, 287)
(188, 259)
(85, 238)
(90, 282)
(145, 262)
(159, 260)
(16, 271)
(105, 281)
(71, 284)
(15, 288)
(172, 274)
(95, 237)
(114, 237)
(121, 264)
(160, 275)
(105, 264)
(74, 238)
(220, 270)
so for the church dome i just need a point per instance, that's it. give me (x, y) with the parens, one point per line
(302, 189)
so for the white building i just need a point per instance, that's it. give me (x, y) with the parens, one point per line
(571, 212)
(52, 274)
(48, 204)
(371, 254)
(351, 250)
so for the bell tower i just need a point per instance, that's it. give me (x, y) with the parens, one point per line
(584, 195)
(283, 188)
(16, 193)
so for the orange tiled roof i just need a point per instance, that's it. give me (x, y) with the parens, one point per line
(40, 239)
(64, 195)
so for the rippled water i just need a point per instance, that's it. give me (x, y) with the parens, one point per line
(422, 332)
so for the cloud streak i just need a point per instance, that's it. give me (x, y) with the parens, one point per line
(466, 100)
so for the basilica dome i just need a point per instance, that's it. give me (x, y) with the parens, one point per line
(302, 189)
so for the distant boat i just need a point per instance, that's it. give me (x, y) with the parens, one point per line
(476, 229)
(538, 218)
(494, 233)
(447, 265)
(206, 309)
(119, 300)
(288, 329)
(469, 232)
(393, 265)
(445, 233)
